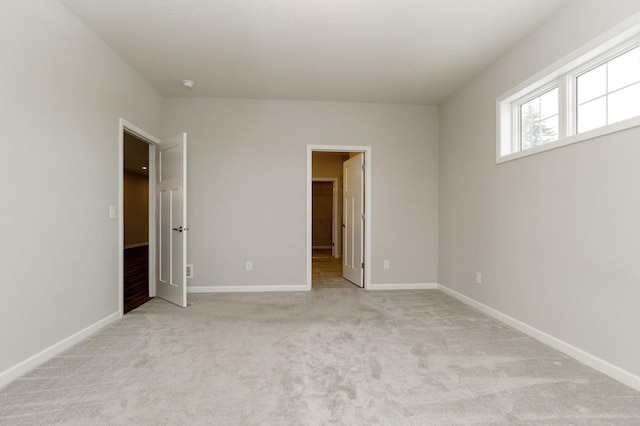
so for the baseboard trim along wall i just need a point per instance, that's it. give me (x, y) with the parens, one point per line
(266, 288)
(135, 245)
(403, 286)
(45, 355)
(245, 288)
(592, 361)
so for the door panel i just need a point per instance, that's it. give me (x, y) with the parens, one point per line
(353, 220)
(172, 213)
(164, 234)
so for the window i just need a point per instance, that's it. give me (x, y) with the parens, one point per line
(539, 120)
(609, 93)
(594, 94)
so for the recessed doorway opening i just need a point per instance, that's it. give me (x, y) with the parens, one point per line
(338, 222)
(135, 190)
(137, 246)
(167, 201)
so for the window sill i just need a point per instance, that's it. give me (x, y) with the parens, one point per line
(591, 134)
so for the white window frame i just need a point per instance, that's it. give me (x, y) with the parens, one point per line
(516, 142)
(563, 74)
(589, 66)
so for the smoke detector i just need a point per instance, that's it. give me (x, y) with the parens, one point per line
(188, 84)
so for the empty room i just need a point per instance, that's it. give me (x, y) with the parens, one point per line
(346, 212)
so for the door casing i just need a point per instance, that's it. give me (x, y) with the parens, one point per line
(367, 204)
(124, 125)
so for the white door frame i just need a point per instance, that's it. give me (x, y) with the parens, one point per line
(367, 203)
(334, 212)
(124, 125)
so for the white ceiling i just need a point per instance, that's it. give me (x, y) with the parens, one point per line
(394, 51)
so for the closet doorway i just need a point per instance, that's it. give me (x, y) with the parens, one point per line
(135, 188)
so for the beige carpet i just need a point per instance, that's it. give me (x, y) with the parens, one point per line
(326, 272)
(331, 356)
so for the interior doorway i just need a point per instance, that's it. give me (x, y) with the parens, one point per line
(135, 189)
(137, 246)
(338, 184)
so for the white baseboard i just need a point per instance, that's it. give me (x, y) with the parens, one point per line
(45, 355)
(135, 245)
(267, 288)
(403, 286)
(592, 361)
(245, 288)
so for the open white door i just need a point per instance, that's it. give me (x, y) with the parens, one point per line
(353, 220)
(171, 187)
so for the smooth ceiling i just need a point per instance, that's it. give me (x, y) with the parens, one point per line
(417, 52)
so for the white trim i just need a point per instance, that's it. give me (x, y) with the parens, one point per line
(136, 245)
(563, 72)
(152, 141)
(142, 134)
(367, 203)
(580, 137)
(592, 361)
(45, 355)
(153, 250)
(244, 288)
(404, 286)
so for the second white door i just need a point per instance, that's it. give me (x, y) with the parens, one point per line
(353, 220)
(171, 190)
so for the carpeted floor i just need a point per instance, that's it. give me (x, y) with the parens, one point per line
(329, 356)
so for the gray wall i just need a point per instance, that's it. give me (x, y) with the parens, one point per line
(555, 235)
(247, 193)
(62, 93)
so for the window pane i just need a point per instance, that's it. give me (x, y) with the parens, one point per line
(529, 123)
(592, 84)
(592, 115)
(549, 104)
(624, 104)
(549, 130)
(624, 70)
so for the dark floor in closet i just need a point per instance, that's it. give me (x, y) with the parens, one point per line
(136, 277)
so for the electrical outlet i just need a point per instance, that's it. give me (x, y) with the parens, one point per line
(387, 264)
(112, 212)
(249, 265)
(478, 278)
(190, 270)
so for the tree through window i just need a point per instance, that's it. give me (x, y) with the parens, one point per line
(539, 120)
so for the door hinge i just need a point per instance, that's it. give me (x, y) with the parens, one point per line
(363, 167)
(362, 216)
(362, 265)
